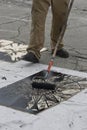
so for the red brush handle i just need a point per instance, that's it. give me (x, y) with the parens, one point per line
(50, 65)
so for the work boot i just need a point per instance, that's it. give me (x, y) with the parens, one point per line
(30, 57)
(61, 53)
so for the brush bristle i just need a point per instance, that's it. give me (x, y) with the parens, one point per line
(43, 85)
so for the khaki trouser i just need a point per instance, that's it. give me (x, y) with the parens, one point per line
(39, 13)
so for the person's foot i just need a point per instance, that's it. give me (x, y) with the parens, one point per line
(62, 53)
(30, 57)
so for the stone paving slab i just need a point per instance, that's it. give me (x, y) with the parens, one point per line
(71, 112)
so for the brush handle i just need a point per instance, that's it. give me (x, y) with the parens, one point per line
(50, 65)
(60, 38)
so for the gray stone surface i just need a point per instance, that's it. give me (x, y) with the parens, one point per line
(15, 24)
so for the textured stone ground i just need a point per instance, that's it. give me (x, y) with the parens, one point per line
(15, 24)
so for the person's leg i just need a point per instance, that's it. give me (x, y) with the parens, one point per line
(59, 11)
(39, 12)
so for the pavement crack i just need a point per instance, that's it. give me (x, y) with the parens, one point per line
(82, 10)
(81, 57)
(24, 21)
(19, 31)
(17, 19)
